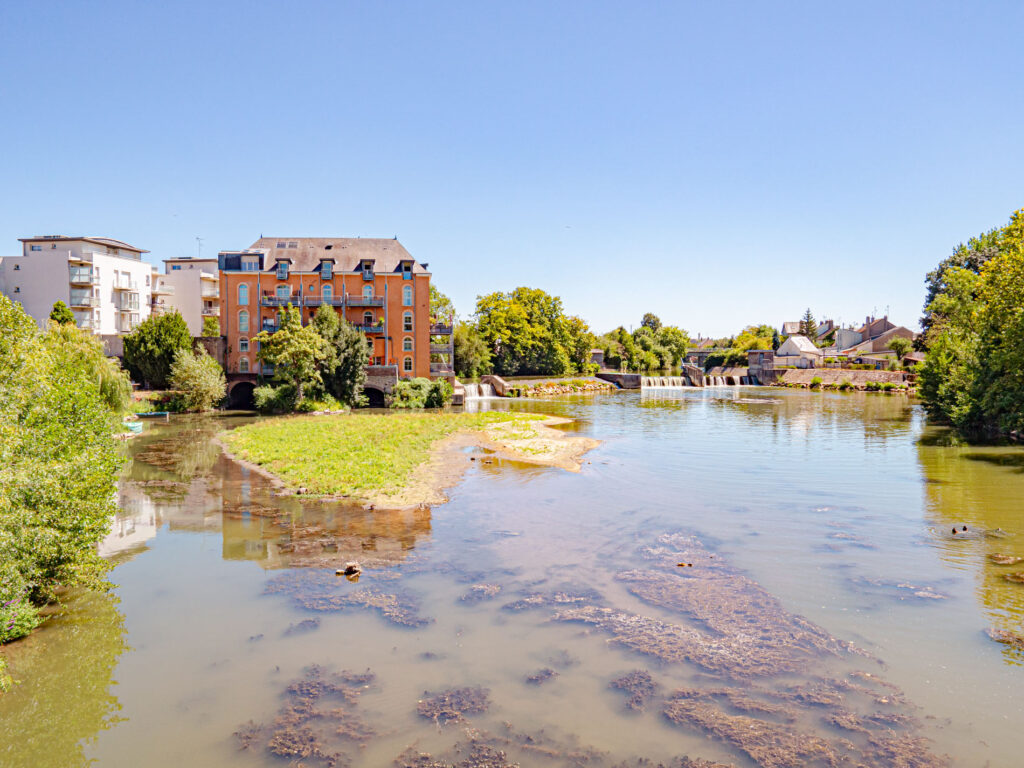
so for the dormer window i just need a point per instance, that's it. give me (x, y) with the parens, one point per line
(326, 269)
(368, 270)
(282, 270)
(407, 270)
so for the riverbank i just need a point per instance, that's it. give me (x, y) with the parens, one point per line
(399, 460)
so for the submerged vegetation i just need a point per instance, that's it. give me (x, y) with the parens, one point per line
(353, 454)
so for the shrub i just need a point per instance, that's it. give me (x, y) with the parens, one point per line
(199, 380)
(151, 349)
(845, 384)
(73, 346)
(271, 399)
(211, 327)
(326, 403)
(816, 382)
(61, 314)
(421, 393)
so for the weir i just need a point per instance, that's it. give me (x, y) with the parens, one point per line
(479, 391)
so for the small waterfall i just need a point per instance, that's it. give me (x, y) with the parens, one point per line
(478, 391)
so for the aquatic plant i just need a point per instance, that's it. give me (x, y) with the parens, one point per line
(541, 676)
(639, 685)
(453, 704)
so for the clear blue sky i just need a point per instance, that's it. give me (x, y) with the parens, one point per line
(716, 163)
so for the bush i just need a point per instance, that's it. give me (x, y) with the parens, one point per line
(211, 327)
(327, 403)
(845, 384)
(61, 314)
(421, 393)
(75, 347)
(151, 349)
(816, 382)
(199, 380)
(271, 399)
(59, 464)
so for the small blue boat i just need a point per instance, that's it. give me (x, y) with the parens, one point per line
(154, 414)
(133, 426)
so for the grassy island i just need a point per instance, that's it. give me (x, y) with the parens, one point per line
(400, 459)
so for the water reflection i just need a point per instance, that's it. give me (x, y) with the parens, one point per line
(980, 488)
(65, 695)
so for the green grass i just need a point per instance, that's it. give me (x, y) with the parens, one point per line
(353, 454)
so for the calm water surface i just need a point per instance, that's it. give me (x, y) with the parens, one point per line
(839, 505)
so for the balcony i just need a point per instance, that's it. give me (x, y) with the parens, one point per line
(211, 311)
(85, 323)
(83, 277)
(437, 329)
(441, 369)
(127, 285)
(159, 289)
(440, 349)
(316, 301)
(210, 293)
(269, 327)
(364, 301)
(373, 329)
(277, 301)
(128, 303)
(83, 300)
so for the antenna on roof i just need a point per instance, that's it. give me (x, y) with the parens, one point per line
(199, 247)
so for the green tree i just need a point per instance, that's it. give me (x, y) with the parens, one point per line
(211, 327)
(652, 321)
(809, 326)
(343, 367)
(71, 345)
(441, 308)
(59, 464)
(421, 393)
(472, 357)
(199, 380)
(675, 341)
(295, 351)
(151, 349)
(776, 341)
(580, 343)
(61, 314)
(527, 332)
(900, 346)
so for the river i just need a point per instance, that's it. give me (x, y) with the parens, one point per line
(828, 613)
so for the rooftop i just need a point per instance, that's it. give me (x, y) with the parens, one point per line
(107, 241)
(306, 253)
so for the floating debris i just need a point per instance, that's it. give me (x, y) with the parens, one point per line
(451, 705)
(899, 590)
(1004, 559)
(639, 685)
(306, 625)
(541, 676)
(1016, 577)
(480, 592)
(560, 597)
(320, 591)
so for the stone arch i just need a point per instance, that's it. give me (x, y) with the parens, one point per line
(240, 396)
(375, 396)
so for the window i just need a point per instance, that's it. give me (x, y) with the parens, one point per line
(243, 365)
(243, 344)
(243, 294)
(293, 244)
(407, 344)
(367, 318)
(282, 270)
(327, 293)
(281, 245)
(406, 271)
(407, 296)
(326, 269)
(407, 321)
(367, 291)
(147, 281)
(17, 267)
(367, 270)
(249, 265)
(37, 247)
(407, 365)
(243, 321)
(175, 267)
(282, 292)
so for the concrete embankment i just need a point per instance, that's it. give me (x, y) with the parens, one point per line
(834, 376)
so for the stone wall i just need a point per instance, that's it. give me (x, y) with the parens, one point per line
(803, 377)
(623, 380)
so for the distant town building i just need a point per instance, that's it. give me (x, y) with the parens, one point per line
(798, 351)
(104, 281)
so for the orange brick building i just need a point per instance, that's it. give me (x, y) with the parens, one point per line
(375, 284)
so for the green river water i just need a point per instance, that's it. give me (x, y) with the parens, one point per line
(829, 617)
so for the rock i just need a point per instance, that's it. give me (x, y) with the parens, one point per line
(351, 569)
(1002, 559)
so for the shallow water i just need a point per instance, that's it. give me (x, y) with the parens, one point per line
(841, 506)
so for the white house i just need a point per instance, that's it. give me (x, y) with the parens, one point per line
(194, 290)
(104, 281)
(798, 351)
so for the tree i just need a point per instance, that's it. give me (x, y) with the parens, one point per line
(675, 341)
(61, 314)
(441, 308)
(421, 393)
(343, 368)
(71, 345)
(776, 341)
(472, 357)
(295, 351)
(900, 346)
(199, 380)
(809, 326)
(211, 327)
(652, 321)
(59, 463)
(151, 349)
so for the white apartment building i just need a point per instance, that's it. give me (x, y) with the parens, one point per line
(105, 282)
(194, 290)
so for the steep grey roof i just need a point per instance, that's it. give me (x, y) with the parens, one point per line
(306, 253)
